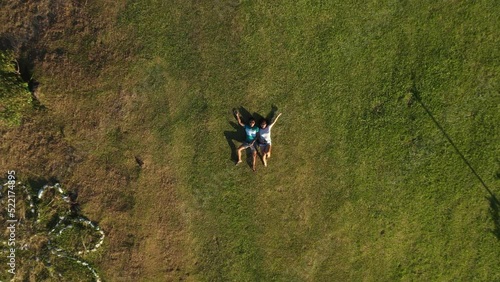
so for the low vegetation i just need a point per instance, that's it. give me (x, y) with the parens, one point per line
(15, 99)
(385, 161)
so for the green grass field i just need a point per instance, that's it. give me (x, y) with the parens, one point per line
(363, 184)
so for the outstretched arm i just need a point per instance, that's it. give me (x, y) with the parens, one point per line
(275, 120)
(239, 119)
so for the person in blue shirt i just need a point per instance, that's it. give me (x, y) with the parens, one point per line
(251, 136)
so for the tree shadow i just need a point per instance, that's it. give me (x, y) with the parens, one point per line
(25, 63)
(5, 43)
(75, 206)
(494, 204)
(495, 215)
(37, 183)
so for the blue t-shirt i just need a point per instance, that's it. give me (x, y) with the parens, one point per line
(251, 132)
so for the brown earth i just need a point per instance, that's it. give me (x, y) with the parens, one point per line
(94, 145)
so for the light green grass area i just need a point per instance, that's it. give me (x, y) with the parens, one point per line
(362, 184)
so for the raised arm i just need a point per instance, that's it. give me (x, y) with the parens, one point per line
(275, 120)
(239, 119)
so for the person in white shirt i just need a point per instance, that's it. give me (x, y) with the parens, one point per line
(264, 138)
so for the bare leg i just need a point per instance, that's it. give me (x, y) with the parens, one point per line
(262, 153)
(268, 150)
(264, 159)
(254, 158)
(239, 154)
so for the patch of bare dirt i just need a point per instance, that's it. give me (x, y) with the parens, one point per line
(72, 47)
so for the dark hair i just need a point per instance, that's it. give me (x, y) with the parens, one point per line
(250, 120)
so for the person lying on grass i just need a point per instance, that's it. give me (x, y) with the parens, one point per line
(251, 133)
(264, 139)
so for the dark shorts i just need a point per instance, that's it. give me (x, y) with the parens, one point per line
(264, 147)
(264, 144)
(247, 145)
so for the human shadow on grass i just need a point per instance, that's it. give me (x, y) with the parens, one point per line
(269, 117)
(238, 134)
(494, 203)
(272, 113)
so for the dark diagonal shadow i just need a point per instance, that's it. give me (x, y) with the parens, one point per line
(495, 215)
(494, 203)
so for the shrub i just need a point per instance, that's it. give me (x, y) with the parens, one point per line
(15, 98)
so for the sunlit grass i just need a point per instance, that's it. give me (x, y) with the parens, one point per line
(362, 184)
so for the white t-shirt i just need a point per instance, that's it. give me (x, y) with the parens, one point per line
(265, 135)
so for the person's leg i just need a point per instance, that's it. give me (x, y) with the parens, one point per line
(262, 149)
(268, 149)
(241, 148)
(254, 152)
(264, 159)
